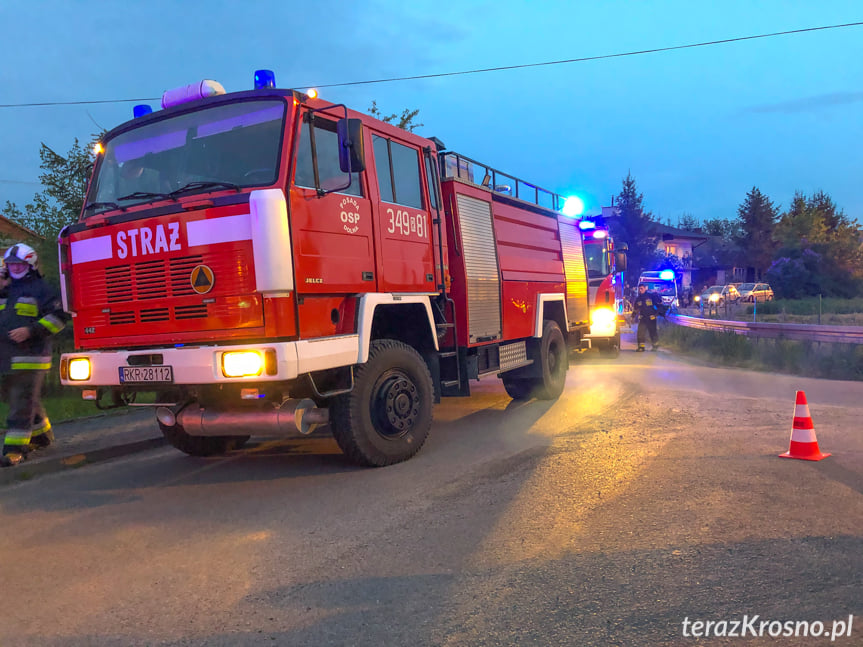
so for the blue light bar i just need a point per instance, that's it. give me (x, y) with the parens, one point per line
(573, 206)
(586, 224)
(141, 109)
(264, 79)
(666, 275)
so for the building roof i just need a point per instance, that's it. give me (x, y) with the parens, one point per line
(12, 230)
(667, 232)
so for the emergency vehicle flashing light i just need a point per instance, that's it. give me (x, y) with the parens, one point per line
(191, 92)
(573, 206)
(666, 275)
(141, 109)
(600, 233)
(98, 149)
(264, 79)
(312, 93)
(586, 224)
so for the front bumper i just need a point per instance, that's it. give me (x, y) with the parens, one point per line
(202, 364)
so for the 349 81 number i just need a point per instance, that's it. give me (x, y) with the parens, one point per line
(407, 224)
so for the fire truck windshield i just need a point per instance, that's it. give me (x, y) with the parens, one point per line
(227, 146)
(596, 258)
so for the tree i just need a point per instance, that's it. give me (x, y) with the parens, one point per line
(64, 181)
(405, 120)
(633, 226)
(688, 222)
(721, 228)
(756, 220)
(819, 250)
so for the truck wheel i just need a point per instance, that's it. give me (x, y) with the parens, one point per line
(387, 416)
(554, 362)
(517, 388)
(612, 349)
(200, 445)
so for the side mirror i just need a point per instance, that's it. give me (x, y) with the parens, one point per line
(352, 157)
(620, 261)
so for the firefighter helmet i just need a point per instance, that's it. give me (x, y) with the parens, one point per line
(21, 253)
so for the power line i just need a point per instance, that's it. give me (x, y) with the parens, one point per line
(582, 59)
(593, 58)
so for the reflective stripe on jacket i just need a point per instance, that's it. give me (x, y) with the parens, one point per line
(30, 303)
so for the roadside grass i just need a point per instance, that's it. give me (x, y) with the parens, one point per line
(833, 312)
(60, 406)
(809, 359)
(66, 404)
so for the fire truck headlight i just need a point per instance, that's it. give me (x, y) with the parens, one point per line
(242, 363)
(603, 322)
(714, 298)
(79, 369)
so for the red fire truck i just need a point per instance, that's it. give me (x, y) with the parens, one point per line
(265, 262)
(605, 267)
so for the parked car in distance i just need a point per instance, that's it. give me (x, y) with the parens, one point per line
(753, 292)
(730, 293)
(718, 295)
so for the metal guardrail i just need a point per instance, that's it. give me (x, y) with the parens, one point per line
(796, 332)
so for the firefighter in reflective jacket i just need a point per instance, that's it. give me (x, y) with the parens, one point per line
(30, 314)
(646, 308)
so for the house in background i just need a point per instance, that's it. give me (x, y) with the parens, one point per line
(680, 244)
(11, 232)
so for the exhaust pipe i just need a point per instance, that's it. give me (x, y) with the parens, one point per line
(291, 418)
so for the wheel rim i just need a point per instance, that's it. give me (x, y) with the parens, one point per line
(396, 404)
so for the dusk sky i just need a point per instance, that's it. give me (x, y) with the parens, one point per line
(697, 127)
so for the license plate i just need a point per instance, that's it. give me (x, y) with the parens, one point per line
(146, 374)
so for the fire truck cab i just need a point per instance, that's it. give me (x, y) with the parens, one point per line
(267, 263)
(605, 266)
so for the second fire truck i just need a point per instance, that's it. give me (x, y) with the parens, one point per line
(605, 266)
(265, 262)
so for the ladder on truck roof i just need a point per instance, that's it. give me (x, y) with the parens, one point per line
(473, 172)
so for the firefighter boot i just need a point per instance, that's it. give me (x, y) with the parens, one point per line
(640, 348)
(42, 437)
(12, 455)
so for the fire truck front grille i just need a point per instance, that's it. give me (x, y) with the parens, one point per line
(150, 279)
(155, 314)
(117, 318)
(190, 312)
(118, 282)
(180, 271)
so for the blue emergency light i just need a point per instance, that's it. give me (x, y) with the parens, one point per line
(573, 206)
(264, 79)
(141, 109)
(586, 224)
(667, 275)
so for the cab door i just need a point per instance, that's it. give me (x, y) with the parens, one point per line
(333, 237)
(405, 256)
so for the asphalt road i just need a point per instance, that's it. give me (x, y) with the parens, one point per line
(650, 494)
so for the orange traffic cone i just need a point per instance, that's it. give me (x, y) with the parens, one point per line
(803, 442)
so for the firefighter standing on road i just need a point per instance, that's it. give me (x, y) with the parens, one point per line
(646, 308)
(30, 314)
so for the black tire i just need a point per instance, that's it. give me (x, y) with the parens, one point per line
(554, 362)
(612, 349)
(517, 388)
(200, 445)
(387, 416)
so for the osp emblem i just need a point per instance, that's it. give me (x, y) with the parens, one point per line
(202, 279)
